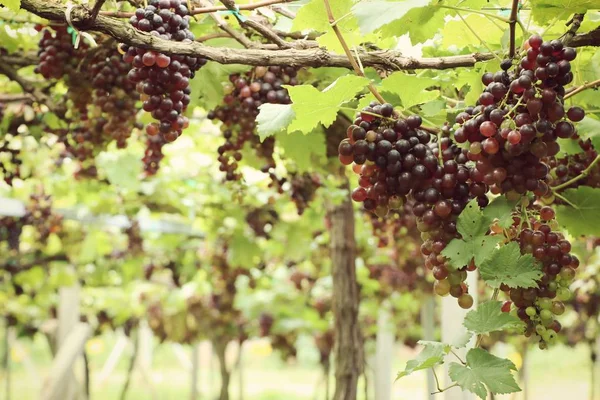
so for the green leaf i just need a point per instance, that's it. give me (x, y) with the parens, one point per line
(473, 226)
(372, 15)
(589, 128)
(242, 251)
(455, 33)
(273, 118)
(501, 209)
(52, 121)
(584, 220)
(488, 317)
(410, 88)
(545, 10)
(568, 147)
(207, 84)
(428, 20)
(306, 151)
(462, 340)
(507, 266)
(484, 370)
(122, 168)
(13, 5)
(432, 355)
(313, 107)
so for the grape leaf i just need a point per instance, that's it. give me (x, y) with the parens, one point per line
(13, 5)
(432, 108)
(488, 317)
(457, 33)
(472, 226)
(585, 219)
(462, 340)
(568, 147)
(429, 20)
(501, 209)
(410, 88)
(507, 265)
(372, 15)
(273, 118)
(484, 370)
(589, 128)
(313, 107)
(306, 151)
(545, 10)
(207, 83)
(242, 251)
(433, 354)
(121, 168)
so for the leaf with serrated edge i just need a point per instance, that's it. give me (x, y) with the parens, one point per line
(313, 107)
(484, 370)
(461, 252)
(373, 15)
(431, 355)
(462, 340)
(410, 88)
(501, 209)
(472, 222)
(488, 317)
(273, 118)
(585, 219)
(507, 266)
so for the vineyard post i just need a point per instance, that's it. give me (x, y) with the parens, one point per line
(68, 318)
(113, 358)
(6, 359)
(195, 367)
(428, 325)
(348, 344)
(383, 354)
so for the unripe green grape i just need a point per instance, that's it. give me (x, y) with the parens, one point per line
(546, 335)
(558, 308)
(542, 345)
(442, 288)
(552, 286)
(465, 301)
(544, 303)
(546, 314)
(531, 311)
(540, 329)
(455, 278)
(551, 336)
(563, 294)
(567, 274)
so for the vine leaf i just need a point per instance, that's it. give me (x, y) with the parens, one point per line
(545, 10)
(585, 219)
(475, 244)
(13, 5)
(313, 107)
(507, 266)
(484, 370)
(373, 15)
(305, 151)
(501, 209)
(589, 128)
(488, 317)
(432, 355)
(273, 118)
(411, 89)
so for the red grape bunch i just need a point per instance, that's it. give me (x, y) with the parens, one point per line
(163, 81)
(537, 307)
(58, 56)
(518, 119)
(246, 93)
(10, 160)
(566, 168)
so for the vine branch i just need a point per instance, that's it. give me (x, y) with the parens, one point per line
(512, 23)
(583, 87)
(582, 175)
(97, 6)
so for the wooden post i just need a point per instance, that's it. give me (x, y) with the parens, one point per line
(68, 319)
(240, 368)
(8, 341)
(195, 367)
(113, 358)
(383, 355)
(62, 365)
(428, 325)
(452, 327)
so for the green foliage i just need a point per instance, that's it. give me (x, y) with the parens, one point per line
(484, 370)
(373, 15)
(313, 107)
(546, 10)
(488, 317)
(501, 209)
(589, 128)
(475, 244)
(507, 266)
(273, 118)
(582, 216)
(307, 151)
(432, 354)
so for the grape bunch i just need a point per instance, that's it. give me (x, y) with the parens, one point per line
(163, 81)
(153, 154)
(10, 161)
(537, 307)
(41, 216)
(564, 169)
(244, 95)
(58, 56)
(518, 119)
(303, 188)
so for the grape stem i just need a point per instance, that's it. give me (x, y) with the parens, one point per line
(583, 87)
(563, 198)
(97, 6)
(446, 388)
(457, 356)
(582, 175)
(351, 59)
(513, 27)
(487, 14)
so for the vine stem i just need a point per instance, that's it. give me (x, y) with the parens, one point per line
(491, 15)
(582, 175)
(446, 388)
(351, 59)
(583, 87)
(204, 10)
(478, 37)
(563, 198)
(513, 27)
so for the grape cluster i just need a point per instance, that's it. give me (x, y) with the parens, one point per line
(518, 119)
(153, 154)
(41, 216)
(537, 307)
(10, 161)
(303, 188)
(261, 221)
(265, 322)
(10, 232)
(244, 95)
(58, 56)
(566, 168)
(163, 81)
